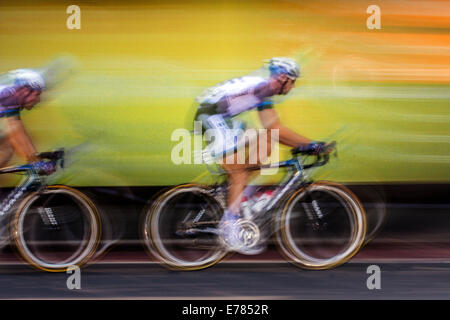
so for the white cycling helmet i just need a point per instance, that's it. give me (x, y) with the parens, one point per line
(286, 66)
(28, 77)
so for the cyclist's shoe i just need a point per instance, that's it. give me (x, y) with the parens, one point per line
(229, 231)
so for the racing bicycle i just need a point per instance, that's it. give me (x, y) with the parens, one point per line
(54, 227)
(317, 225)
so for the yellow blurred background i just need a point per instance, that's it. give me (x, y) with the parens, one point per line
(382, 94)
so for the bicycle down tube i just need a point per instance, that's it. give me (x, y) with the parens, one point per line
(15, 194)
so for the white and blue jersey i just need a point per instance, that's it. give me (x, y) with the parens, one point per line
(220, 103)
(235, 96)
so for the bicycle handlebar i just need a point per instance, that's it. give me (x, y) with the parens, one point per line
(310, 150)
(322, 158)
(53, 156)
(320, 161)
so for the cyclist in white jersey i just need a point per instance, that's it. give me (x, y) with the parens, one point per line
(24, 92)
(221, 103)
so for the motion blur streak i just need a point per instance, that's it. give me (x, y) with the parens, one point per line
(142, 64)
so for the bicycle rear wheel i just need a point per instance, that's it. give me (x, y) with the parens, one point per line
(56, 228)
(321, 226)
(181, 228)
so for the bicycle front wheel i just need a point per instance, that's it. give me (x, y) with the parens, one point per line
(56, 228)
(181, 228)
(322, 226)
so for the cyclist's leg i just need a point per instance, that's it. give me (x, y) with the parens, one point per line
(6, 151)
(220, 133)
(238, 179)
(219, 150)
(229, 140)
(239, 175)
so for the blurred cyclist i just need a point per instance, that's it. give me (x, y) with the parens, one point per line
(218, 107)
(23, 93)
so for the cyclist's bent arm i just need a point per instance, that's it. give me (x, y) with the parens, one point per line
(19, 138)
(270, 120)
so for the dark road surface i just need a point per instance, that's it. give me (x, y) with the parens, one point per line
(230, 281)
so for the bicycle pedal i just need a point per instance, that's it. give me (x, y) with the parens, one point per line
(244, 239)
(249, 233)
